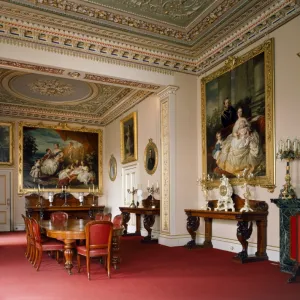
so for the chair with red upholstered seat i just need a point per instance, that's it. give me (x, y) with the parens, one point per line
(118, 221)
(59, 216)
(98, 244)
(40, 246)
(30, 250)
(103, 217)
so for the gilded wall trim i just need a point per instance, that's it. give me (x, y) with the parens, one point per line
(165, 161)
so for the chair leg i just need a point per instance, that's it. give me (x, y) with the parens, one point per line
(108, 265)
(57, 256)
(39, 259)
(78, 262)
(88, 266)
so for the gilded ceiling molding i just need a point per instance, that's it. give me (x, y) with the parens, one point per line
(25, 66)
(51, 115)
(171, 89)
(126, 105)
(26, 17)
(83, 53)
(111, 80)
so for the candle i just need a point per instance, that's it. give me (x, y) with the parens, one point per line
(93, 188)
(295, 145)
(148, 183)
(157, 184)
(62, 188)
(89, 189)
(288, 144)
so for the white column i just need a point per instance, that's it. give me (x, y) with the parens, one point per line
(168, 167)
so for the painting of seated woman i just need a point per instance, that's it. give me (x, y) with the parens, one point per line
(238, 118)
(54, 158)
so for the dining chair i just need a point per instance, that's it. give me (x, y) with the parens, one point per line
(27, 236)
(103, 217)
(98, 236)
(59, 216)
(40, 246)
(118, 221)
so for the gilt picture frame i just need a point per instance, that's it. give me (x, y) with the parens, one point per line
(128, 136)
(112, 168)
(237, 112)
(151, 157)
(55, 156)
(6, 143)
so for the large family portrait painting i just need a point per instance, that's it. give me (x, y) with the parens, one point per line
(52, 158)
(238, 118)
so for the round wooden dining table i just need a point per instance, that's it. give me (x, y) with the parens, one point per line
(72, 230)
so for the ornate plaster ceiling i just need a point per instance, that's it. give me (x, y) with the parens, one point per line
(39, 96)
(188, 36)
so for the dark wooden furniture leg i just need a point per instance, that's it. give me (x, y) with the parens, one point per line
(261, 239)
(148, 223)
(208, 233)
(138, 224)
(116, 259)
(244, 232)
(126, 218)
(69, 245)
(192, 226)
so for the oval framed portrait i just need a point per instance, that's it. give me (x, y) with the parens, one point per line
(112, 168)
(150, 157)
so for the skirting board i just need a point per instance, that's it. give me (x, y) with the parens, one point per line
(221, 244)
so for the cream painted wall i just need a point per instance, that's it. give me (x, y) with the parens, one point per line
(287, 107)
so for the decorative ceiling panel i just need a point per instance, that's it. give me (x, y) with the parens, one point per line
(37, 96)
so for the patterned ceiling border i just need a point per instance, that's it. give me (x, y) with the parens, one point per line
(122, 82)
(15, 111)
(81, 45)
(128, 22)
(31, 67)
(86, 76)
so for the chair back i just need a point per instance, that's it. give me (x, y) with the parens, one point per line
(103, 217)
(98, 234)
(36, 230)
(59, 217)
(118, 221)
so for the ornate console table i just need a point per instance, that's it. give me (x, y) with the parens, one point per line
(287, 208)
(149, 219)
(244, 229)
(40, 209)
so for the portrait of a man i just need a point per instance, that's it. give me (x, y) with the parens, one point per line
(150, 157)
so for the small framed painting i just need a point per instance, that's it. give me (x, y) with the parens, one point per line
(6, 143)
(150, 157)
(112, 167)
(128, 129)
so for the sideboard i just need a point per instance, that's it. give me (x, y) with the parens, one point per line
(39, 208)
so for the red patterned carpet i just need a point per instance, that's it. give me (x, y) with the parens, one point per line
(148, 271)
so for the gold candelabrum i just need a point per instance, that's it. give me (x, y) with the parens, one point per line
(94, 192)
(247, 179)
(133, 192)
(288, 150)
(153, 190)
(205, 187)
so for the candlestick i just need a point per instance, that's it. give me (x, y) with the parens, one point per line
(133, 191)
(204, 182)
(289, 152)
